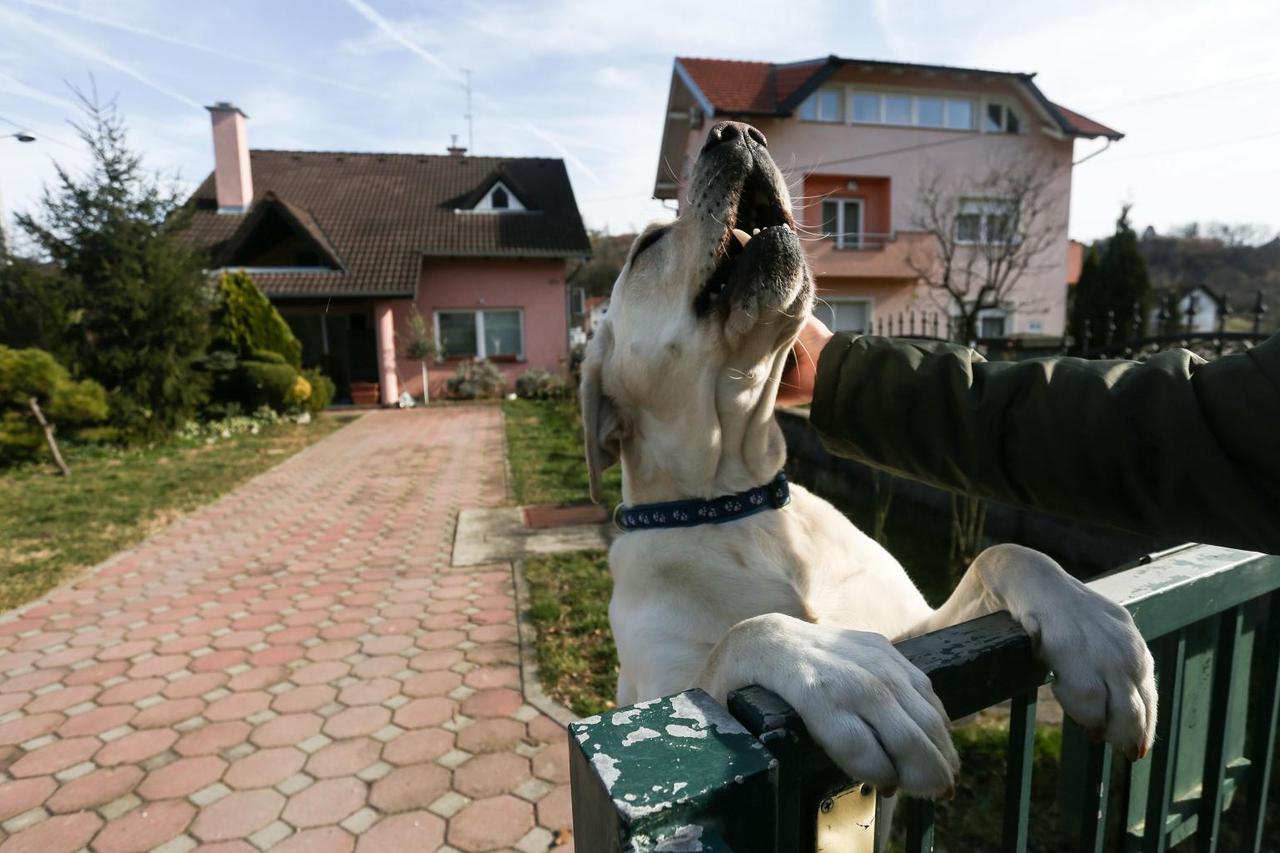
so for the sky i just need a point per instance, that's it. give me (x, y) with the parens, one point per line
(1192, 84)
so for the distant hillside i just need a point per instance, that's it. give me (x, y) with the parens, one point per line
(608, 254)
(1218, 259)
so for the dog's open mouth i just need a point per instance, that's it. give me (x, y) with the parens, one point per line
(758, 214)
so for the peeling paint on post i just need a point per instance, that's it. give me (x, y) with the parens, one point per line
(673, 774)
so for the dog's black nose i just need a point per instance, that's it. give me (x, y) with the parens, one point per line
(731, 131)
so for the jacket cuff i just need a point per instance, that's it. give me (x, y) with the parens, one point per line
(822, 412)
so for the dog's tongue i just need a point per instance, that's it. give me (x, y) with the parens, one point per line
(741, 236)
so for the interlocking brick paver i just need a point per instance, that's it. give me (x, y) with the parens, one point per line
(295, 666)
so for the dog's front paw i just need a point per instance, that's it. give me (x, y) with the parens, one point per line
(867, 706)
(1103, 672)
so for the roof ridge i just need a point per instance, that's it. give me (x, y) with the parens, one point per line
(500, 157)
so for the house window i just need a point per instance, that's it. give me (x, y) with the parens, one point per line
(991, 323)
(844, 315)
(931, 111)
(822, 105)
(498, 199)
(842, 222)
(987, 221)
(1001, 118)
(495, 334)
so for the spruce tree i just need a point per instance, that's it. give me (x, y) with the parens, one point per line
(1086, 300)
(1126, 287)
(138, 293)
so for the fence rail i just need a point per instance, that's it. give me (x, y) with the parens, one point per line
(683, 773)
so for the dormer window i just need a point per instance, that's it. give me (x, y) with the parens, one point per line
(1001, 118)
(499, 199)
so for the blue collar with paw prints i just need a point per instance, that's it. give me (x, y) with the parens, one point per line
(772, 495)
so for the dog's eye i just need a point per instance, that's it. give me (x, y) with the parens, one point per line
(648, 240)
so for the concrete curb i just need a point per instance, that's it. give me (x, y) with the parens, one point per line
(528, 636)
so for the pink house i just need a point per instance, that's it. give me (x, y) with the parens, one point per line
(855, 139)
(349, 246)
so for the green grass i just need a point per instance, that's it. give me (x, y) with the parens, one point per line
(569, 602)
(544, 444)
(53, 527)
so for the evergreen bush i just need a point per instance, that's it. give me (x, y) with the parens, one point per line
(247, 324)
(65, 403)
(322, 390)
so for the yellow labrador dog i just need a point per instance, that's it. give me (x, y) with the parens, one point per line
(679, 385)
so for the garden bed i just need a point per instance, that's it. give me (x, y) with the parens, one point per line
(54, 527)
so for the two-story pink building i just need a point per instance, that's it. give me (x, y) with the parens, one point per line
(857, 139)
(349, 246)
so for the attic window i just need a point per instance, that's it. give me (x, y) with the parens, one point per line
(499, 199)
(1002, 119)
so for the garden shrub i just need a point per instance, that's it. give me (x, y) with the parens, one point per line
(474, 379)
(246, 323)
(67, 404)
(265, 383)
(322, 390)
(538, 384)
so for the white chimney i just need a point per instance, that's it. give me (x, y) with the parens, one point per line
(231, 172)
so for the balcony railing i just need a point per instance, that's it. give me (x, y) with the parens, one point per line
(749, 777)
(860, 240)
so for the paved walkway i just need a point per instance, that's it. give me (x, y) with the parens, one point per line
(294, 666)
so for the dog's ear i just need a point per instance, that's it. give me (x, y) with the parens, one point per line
(601, 428)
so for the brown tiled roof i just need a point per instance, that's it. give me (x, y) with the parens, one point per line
(380, 213)
(736, 87)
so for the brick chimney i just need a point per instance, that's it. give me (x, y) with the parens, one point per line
(231, 172)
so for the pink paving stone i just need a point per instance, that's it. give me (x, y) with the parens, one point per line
(495, 822)
(422, 713)
(491, 735)
(326, 802)
(218, 661)
(136, 747)
(95, 789)
(344, 758)
(419, 746)
(13, 701)
(555, 810)
(181, 645)
(343, 631)
(547, 730)
(182, 778)
(336, 650)
(159, 665)
(97, 720)
(28, 727)
(287, 730)
(413, 787)
(129, 692)
(237, 640)
(552, 763)
(354, 722)
(494, 617)
(396, 626)
(290, 636)
(237, 815)
(320, 673)
(237, 706)
(258, 678)
(167, 713)
(20, 795)
(329, 839)
(276, 655)
(447, 606)
(493, 676)
(444, 621)
(369, 692)
(389, 645)
(213, 738)
(410, 832)
(31, 681)
(255, 621)
(303, 698)
(494, 653)
(492, 774)
(379, 667)
(436, 683)
(264, 768)
(127, 650)
(493, 634)
(54, 757)
(440, 639)
(61, 834)
(66, 657)
(500, 702)
(61, 699)
(195, 685)
(145, 828)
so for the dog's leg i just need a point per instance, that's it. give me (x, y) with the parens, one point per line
(1104, 674)
(873, 713)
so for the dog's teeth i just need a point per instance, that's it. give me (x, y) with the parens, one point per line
(741, 236)
(755, 231)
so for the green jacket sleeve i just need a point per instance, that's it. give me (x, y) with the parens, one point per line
(1173, 447)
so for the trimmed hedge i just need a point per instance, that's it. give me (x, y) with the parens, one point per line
(27, 373)
(322, 390)
(246, 322)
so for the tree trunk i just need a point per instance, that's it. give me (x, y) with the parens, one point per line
(48, 437)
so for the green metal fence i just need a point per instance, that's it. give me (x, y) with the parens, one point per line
(684, 773)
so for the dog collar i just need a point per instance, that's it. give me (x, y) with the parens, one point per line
(772, 495)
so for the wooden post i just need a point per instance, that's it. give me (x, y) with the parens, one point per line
(48, 436)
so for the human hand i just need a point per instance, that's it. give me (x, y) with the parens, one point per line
(798, 377)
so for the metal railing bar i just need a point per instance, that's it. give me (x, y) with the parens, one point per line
(920, 815)
(1170, 670)
(1209, 823)
(1267, 657)
(1021, 762)
(1097, 792)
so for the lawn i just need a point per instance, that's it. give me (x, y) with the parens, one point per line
(544, 444)
(54, 527)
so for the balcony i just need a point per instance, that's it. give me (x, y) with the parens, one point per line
(866, 254)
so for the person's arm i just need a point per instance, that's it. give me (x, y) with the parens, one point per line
(1172, 447)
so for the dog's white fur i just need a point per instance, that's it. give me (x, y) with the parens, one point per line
(797, 600)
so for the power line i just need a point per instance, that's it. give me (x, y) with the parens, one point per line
(1195, 90)
(1207, 147)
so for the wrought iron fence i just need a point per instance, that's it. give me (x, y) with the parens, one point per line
(683, 773)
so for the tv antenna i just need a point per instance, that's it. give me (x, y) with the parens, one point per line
(471, 142)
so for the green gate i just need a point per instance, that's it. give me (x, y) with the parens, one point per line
(683, 773)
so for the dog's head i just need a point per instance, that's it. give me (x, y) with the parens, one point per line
(700, 322)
